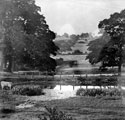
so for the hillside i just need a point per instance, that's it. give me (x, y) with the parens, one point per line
(73, 42)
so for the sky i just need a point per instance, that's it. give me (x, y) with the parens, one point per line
(77, 16)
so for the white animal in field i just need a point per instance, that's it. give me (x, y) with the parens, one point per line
(6, 84)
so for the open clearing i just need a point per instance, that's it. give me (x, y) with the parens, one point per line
(81, 108)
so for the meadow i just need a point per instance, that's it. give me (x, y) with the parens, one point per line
(79, 107)
(29, 92)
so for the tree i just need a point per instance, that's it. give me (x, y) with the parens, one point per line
(115, 27)
(84, 35)
(66, 35)
(95, 47)
(74, 38)
(77, 52)
(27, 37)
(66, 43)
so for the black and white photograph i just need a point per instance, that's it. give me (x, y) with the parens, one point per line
(62, 60)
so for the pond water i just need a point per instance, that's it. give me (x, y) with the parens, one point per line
(63, 92)
(59, 92)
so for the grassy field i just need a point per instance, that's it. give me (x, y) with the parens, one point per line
(89, 108)
(80, 108)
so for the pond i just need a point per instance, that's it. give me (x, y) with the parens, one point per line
(59, 92)
(63, 92)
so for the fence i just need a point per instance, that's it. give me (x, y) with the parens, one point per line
(38, 74)
(45, 74)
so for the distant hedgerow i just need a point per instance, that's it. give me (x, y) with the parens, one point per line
(28, 90)
(98, 92)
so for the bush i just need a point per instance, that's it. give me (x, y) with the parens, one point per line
(59, 61)
(98, 92)
(55, 114)
(81, 79)
(7, 110)
(28, 90)
(77, 52)
(98, 81)
(81, 92)
(77, 72)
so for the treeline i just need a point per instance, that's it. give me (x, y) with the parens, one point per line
(65, 42)
(27, 41)
(109, 49)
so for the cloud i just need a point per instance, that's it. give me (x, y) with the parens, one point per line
(83, 15)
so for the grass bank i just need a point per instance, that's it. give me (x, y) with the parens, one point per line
(90, 108)
(80, 108)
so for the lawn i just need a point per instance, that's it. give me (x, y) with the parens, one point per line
(80, 108)
(89, 108)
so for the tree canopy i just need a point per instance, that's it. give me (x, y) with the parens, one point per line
(95, 48)
(66, 42)
(111, 53)
(27, 37)
(115, 27)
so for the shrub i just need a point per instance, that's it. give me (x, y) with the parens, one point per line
(7, 102)
(55, 114)
(81, 79)
(80, 92)
(77, 72)
(7, 110)
(98, 81)
(28, 90)
(98, 92)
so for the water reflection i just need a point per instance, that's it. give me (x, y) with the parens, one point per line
(63, 92)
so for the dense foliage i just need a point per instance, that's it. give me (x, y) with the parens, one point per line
(115, 27)
(98, 81)
(109, 49)
(95, 47)
(55, 114)
(66, 42)
(28, 90)
(27, 38)
(98, 92)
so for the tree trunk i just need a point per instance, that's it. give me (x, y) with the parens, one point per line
(119, 69)
(9, 69)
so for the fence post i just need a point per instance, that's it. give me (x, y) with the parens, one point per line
(25, 74)
(18, 74)
(60, 86)
(80, 74)
(46, 75)
(39, 73)
(60, 76)
(73, 74)
(32, 75)
(53, 75)
(86, 75)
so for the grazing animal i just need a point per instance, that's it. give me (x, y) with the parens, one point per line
(6, 84)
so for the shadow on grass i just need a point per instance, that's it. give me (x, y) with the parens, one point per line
(7, 111)
(110, 119)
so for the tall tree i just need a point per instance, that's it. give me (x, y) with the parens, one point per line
(115, 27)
(95, 47)
(27, 37)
